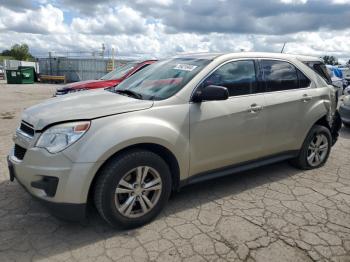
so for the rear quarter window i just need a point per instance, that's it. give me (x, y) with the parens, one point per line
(321, 69)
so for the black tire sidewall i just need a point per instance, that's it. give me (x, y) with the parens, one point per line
(116, 170)
(303, 154)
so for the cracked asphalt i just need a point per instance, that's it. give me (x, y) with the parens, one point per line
(273, 213)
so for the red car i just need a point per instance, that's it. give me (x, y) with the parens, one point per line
(113, 78)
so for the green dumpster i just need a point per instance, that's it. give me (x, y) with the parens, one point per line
(22, 75)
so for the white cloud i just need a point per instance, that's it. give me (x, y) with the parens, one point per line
(341, 1)
(156, 2)
(46, 19)
(294, 1)
(138, 33)
(113, 21)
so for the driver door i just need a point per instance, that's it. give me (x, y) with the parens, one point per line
(228, 132)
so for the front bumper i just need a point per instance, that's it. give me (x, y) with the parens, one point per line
(60, 184)
(66, 211)
(344, 112)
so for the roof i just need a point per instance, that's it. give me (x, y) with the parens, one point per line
(203, 55)
(212, 56)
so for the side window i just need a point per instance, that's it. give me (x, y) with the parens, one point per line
(238, 77)
(279, 75)
(303, 80)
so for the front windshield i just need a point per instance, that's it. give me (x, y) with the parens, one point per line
(164, 78)
(119, 72)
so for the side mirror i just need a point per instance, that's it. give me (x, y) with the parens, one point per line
(210, 93)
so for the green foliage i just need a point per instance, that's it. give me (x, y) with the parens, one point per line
(2, 58)
(330, 60)
(19, 52)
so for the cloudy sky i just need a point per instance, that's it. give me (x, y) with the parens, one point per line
(159, 28)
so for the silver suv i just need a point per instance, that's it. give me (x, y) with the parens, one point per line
(179, 121)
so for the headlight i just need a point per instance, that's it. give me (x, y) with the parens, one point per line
(59, 137)
(64, 91)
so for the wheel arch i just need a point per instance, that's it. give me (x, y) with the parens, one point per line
(333, 126)
(166, 154)
(323, 121)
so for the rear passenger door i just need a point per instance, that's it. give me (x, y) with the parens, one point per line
(288, 96)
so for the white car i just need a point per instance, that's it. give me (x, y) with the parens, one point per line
(179, 121)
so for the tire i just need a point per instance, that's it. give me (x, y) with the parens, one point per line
(347, 125)
(301, 161)
(110, 201)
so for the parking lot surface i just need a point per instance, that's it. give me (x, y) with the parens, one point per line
(273, 213)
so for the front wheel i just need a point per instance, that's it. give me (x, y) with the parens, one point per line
(132, 188)
(315, 150)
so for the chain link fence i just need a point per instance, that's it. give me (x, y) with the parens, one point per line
(77, 69)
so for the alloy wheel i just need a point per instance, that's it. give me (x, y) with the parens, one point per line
(138, 191)
(317, 150)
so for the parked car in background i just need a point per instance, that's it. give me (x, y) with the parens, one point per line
(113, 78)
(179, 121)
(346, 75)
(347, 90)
(337, 78)
(344, 110)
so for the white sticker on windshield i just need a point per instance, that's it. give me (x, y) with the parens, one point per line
(185, 67)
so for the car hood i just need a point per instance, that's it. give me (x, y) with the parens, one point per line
(81, 106)
(92, 84)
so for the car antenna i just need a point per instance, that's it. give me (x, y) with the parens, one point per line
(283, 47)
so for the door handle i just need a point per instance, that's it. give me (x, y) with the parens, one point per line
(254, 108)
(306, 98)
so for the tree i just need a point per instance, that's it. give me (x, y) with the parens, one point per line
(19, 52)
(6, 52)
(330, 60)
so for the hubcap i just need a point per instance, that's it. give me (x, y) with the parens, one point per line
(138, 191)
(317, 150)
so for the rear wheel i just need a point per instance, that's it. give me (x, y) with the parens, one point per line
(132, 188)
(315, 150)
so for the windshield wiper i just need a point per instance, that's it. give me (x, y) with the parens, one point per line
(129, 93)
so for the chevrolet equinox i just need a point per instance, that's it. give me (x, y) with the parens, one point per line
(178, 121)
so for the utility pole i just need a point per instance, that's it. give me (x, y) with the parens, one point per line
(103, 50)
(50, 62)
(113, 67)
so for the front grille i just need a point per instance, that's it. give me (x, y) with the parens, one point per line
(25, 128)
(20, 152)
